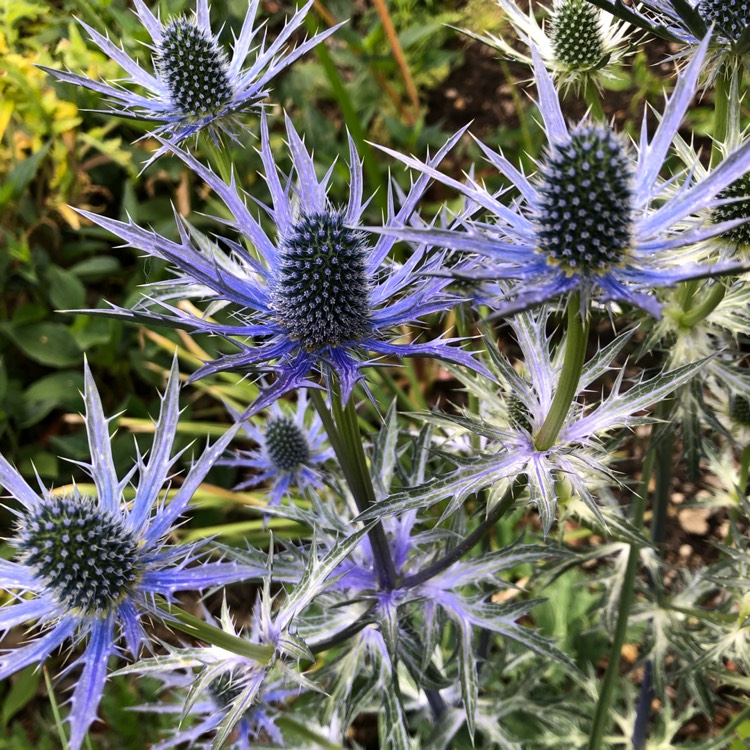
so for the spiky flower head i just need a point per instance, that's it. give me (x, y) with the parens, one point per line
(194, 68)
(596, 218)
(291, 451)
(318, 296)
(576, 35)
(578, 42)
(86, 556)
(584, 214)
(94, 562)
(730, 17)
(196, 84)
(723, 24)
(322, 293)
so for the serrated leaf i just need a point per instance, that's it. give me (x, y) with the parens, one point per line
(467, 672)
(384, 455)
(314, 579)
(458, 485)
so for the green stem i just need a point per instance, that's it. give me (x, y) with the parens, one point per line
(592, 97)
(219, 158)
(575, 353)
(664, 455)
(627, 594)
(343, 432)
(721, 111)
(695, 314)
(193, 626)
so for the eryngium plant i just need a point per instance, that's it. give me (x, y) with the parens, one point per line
(195, 84)
(316, 296)
(94, 563)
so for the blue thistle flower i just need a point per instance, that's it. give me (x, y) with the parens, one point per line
(316, 297)
(578, 42)
(727, 22)
(195, 84)
(290, 451)
(596, 217)
(515, 406)
(95, 563)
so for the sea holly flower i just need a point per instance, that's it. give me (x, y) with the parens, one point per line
(578, 42)
(195, 85)
(355, 603)
(595, 218)
(291, 450)
(223, 681)
(316, 296)
(690, 22)
(576, 466)
(235, 699)
(94, 563)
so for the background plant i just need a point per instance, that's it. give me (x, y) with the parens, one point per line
(398, 76)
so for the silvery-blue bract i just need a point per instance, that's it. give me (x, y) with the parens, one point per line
(313, 297)
(596, 218)
(94, 563)
(195, 84)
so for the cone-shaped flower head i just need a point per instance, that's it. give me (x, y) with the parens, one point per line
(691, 22)
(577, 41)
(94, 563)
(196, 84)
(584, 213)
(596, 217)
(731, 18)
(291, 450)
(576, 34)
(317, 296)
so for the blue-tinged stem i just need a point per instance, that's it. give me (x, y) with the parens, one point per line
(627, 594)
(343, 432)
(567, 386)
(470, 541)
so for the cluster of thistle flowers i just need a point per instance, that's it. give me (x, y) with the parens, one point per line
(596, 228)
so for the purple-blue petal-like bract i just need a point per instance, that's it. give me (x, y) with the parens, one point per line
(315, 298)
(94, 562)
(195, 85)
